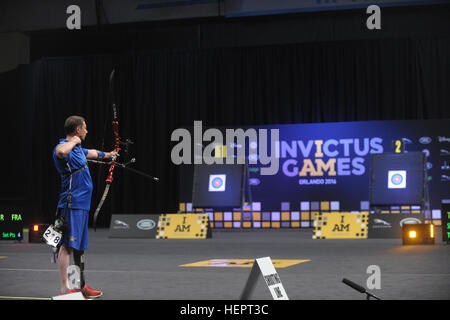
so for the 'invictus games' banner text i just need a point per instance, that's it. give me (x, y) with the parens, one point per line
(331, 161)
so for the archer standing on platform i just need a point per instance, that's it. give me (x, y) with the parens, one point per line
(75, 199)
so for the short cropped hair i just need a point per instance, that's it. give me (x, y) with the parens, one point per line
(72, 123)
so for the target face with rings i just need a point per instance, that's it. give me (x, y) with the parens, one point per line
(397, 179)
(217, 182)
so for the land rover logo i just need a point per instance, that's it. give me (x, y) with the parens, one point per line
(146, 224)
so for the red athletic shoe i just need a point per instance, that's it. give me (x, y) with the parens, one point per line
(88, 292)
(68, 291)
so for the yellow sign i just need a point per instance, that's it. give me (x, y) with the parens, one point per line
(241, 263)
(220, 151)
(2, 257)
(398, 146)
(341, 225)
(182, 226)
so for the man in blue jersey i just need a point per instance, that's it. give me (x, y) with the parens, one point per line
(75, 199)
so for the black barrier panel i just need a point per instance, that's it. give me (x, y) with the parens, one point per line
(388, 226)
(133, 226)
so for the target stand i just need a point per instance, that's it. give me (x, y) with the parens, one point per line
(398, 185)
(221, 186)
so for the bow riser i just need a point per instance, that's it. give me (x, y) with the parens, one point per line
(110, 177)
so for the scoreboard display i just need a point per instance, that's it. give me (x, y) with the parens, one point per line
(11, 226)
(445, 217)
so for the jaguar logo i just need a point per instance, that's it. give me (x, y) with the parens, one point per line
(118, 224)
(382, 222)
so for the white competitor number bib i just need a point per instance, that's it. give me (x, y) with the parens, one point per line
(52, 237)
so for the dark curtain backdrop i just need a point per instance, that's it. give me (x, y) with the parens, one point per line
(160, 91)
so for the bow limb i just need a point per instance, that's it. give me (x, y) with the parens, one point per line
(100, 204)
(115, 126)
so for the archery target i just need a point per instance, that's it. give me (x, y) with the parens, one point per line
(396, 179)
(217, 182)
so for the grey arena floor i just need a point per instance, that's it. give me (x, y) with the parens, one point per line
(149, 269)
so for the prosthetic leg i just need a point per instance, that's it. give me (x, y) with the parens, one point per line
(78, 258)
